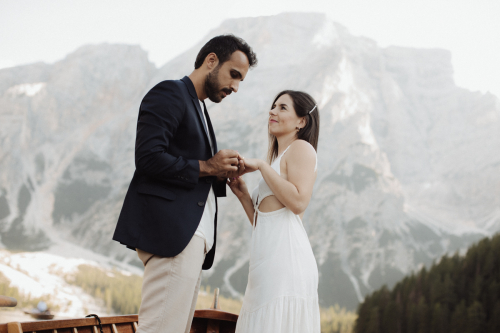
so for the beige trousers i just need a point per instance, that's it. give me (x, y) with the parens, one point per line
(170, 289)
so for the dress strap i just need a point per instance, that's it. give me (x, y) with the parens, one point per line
(283, 153)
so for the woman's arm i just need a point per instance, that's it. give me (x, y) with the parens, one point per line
(296, 191)
(239, 188)
(247, 204)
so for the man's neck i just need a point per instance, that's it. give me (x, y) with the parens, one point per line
(198, 80)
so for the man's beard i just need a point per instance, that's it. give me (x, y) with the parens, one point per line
(212, 86)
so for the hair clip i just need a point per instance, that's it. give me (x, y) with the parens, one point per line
(313, 109)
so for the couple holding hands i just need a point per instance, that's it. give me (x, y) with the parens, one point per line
(169, 215)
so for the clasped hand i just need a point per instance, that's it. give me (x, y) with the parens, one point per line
(226, 163)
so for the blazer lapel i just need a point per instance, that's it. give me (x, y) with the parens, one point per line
(210, 129)
(187, 81)
(200, 115)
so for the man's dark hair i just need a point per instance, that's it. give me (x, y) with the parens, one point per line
(224, 46)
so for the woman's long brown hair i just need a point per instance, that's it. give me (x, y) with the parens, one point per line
(303, 103)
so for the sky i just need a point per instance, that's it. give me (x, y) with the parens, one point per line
(48, 30)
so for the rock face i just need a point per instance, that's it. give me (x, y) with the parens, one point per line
(408, 162)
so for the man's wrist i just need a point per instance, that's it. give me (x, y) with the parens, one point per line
(205, 169)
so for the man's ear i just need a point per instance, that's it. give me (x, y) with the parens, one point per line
(211, 61)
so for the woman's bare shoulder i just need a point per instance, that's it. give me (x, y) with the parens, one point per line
(301, 150)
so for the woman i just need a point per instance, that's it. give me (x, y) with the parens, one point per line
(282, 290)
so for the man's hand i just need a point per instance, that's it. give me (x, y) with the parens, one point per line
(225, 162)
(239, 172)
(246, 166)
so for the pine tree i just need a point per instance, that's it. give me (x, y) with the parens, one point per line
(494, 322)
(457, 294)
(458, 320)
(449, 294)
(391, 318)
(361, 324)
(476, 318)
(439, 321)
(423, 316)
(374, 321)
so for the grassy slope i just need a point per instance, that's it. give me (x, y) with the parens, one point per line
(122, 293)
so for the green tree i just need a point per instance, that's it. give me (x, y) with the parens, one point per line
(439, 321)
(457, 294)
(494, 322)
(391, 318)
(476, 318)
(374, 321)
(423, 316)
(458, 321)
(412, 323)
(449, 293)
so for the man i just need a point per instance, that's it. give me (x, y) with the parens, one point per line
(170, 211)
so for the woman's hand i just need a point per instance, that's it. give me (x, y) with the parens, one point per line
(238, 187)
(251, 164)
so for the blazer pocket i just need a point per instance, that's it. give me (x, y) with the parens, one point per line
(151, 189)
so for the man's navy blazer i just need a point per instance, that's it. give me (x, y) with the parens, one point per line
(166, 197)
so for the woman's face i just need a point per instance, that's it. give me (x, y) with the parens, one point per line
(282, 117)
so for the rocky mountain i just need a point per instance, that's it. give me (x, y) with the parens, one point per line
(408, 162)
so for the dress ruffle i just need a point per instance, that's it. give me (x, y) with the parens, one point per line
(286, 314)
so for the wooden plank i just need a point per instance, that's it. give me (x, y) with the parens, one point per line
(60, 330)
(119, 319)
(14, 327)
(125, 328)
(81, 329)
(6, 301)
(216, 314)
(70, 323)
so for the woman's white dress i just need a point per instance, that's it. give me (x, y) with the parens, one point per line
(282, 289)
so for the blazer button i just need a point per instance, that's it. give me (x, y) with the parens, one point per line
(201, 203)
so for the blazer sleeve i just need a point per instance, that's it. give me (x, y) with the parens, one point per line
(160, 114)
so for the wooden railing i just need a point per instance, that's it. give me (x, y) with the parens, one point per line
(115, 324)
(211, 320)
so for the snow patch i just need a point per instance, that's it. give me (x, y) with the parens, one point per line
(326, 35)
(43, 275)
(366, 133)
(28, 89)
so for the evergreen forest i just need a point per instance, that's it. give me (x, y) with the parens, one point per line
(458, 294)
